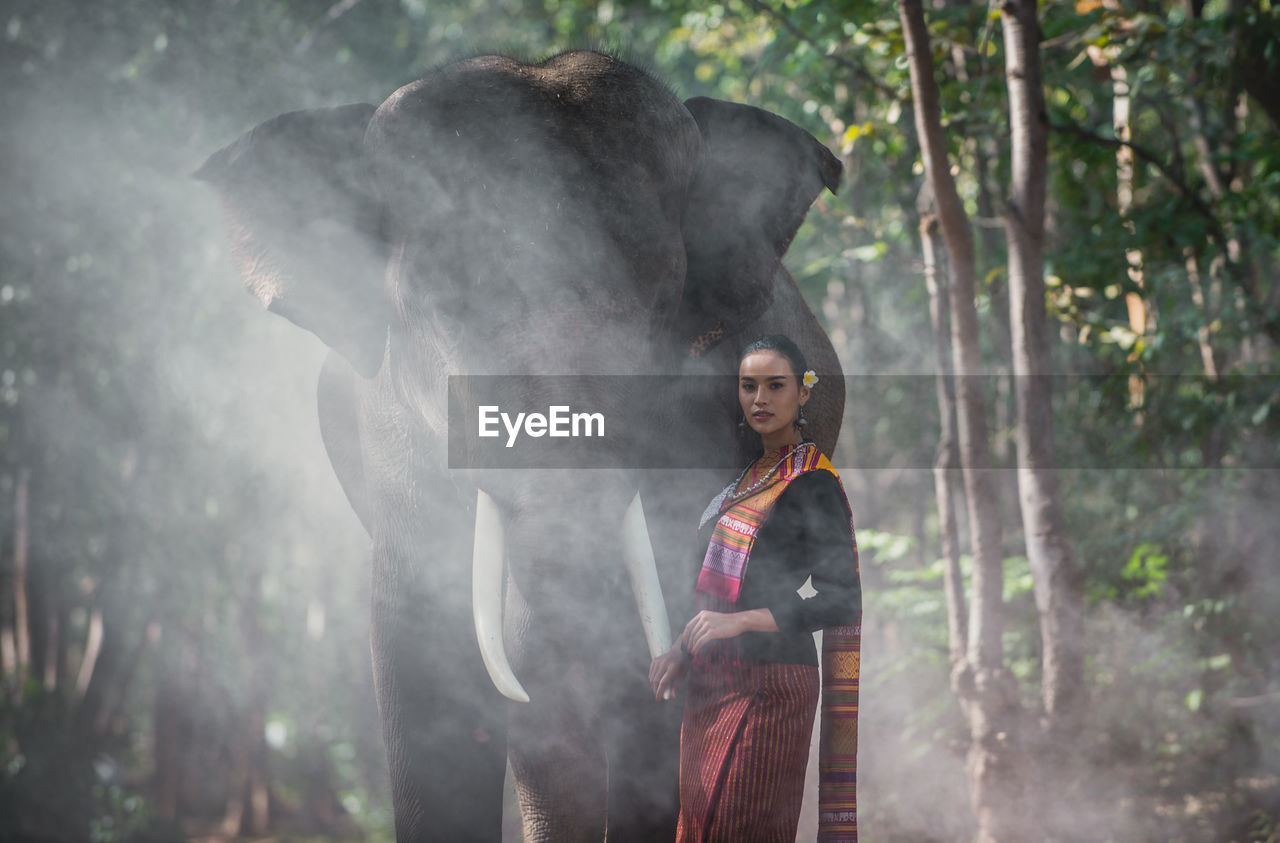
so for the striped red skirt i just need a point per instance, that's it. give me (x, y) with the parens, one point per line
(744, 743)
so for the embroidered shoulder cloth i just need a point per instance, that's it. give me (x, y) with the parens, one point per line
(719, 585)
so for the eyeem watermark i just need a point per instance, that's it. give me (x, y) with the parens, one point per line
(558, 422)
(889, 421)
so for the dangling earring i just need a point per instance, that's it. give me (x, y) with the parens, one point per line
(800, 421)
(742, 425)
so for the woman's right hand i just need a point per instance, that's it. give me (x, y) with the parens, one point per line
(667, 671)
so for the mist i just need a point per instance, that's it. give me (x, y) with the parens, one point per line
(206, 587)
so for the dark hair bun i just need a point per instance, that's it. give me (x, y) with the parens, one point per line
(783, 345)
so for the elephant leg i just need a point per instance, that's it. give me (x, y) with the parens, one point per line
(443, 723)
(643, 735)
(643, 740)
(557, 759)
(559, 767)
(592, 750)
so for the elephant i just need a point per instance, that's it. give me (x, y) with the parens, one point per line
(501, 217)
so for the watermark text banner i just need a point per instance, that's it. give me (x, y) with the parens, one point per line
(889, 421)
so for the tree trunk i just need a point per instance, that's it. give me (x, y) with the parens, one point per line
(1238, 258)
(1208, 357)
(92, 650)
(1057, 579)
(62, 653)
(21, 614)
(114, 697)
(105, 670)
(248, 805)
(947, 460)
(167, 737)
(37, 588)
(1140, 316)
(100, 677)
(986, 689)
(52, 644)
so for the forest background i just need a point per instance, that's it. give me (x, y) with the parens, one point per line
(183, 599)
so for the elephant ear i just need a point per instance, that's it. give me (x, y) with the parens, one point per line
(307, 230)
(757, 176)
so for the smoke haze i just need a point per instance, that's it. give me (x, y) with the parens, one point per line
(163, 429)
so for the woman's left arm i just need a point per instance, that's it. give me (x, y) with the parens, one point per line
(708, 626)
(823, 546)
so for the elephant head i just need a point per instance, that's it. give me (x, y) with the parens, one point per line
(571, 216)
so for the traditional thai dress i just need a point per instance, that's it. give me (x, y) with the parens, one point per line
(749, 709)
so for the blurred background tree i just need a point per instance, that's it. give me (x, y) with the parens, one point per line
(183, 605)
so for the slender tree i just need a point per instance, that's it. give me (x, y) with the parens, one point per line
(1058, 590)
(986, 689)
(947, 460)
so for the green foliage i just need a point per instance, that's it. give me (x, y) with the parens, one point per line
(1146, 569)
(163, 494)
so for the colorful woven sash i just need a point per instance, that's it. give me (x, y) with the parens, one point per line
(719, 585)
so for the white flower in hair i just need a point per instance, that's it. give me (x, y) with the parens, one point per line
(810, 378)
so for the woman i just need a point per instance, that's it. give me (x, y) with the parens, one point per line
(748, 652)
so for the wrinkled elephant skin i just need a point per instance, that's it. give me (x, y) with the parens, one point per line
(496, 217)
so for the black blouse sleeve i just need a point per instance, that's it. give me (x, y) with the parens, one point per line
(812, 527)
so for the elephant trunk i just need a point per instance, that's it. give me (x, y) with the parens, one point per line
(487, 582)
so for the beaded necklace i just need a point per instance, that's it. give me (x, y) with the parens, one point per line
(751, 488)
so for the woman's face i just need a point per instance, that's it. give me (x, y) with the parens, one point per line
(771, 396)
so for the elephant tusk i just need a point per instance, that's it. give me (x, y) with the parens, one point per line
(486, 597)
(637, 550)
